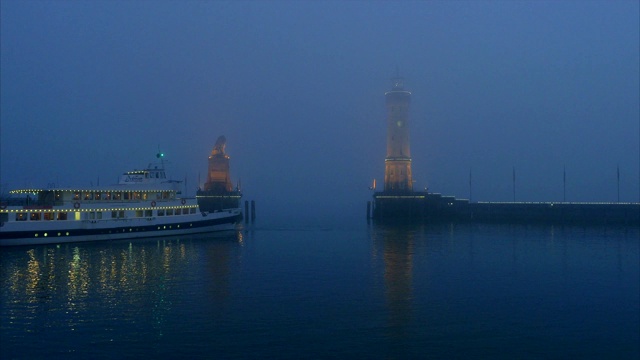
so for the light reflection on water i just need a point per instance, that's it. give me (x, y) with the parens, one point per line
(396, 245)
(445, 291)
(494, 291)
(91, 287)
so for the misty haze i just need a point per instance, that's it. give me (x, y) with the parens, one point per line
(503, 139)
(90, 89)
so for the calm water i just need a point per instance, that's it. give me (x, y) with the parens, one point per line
(332, 290)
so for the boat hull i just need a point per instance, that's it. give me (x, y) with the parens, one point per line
(83, 231)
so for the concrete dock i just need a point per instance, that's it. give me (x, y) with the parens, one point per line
(432, 207)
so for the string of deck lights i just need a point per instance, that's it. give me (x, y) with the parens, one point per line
(106, 190)
(99, 209)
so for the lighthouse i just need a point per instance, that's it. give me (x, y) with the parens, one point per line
(218, 193)
(397, 169)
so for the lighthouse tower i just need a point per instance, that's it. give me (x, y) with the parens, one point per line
(218, 175)
(397, 169)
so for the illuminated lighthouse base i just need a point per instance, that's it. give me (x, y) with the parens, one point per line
(397, 175)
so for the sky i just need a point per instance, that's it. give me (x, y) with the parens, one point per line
(546, 89)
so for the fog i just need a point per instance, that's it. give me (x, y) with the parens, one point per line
(90, 89)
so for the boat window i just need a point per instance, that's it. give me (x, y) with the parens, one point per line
(88, 196)
(62, 216)
(99, 215)
(114, 214)
(148, 213)
(49, 216)
(145, 196)
(161, 212)
(136, 195)
(106, 196)
(192, 210)
(98, 196)
(139, 213)
(21, 217)
(185, 211)
(92, 215)
(4, 217)
(158, 195)
(35, 216)
(76, 195)
(126, 195)
(169, 212)
(117, 195)
(121, 214)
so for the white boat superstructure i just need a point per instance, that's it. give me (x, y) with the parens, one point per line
(143, 204)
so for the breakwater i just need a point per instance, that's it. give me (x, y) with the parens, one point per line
(432, 207)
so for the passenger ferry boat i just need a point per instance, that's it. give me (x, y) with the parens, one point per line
(143, 204)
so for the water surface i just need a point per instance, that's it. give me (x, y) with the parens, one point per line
(329, 290)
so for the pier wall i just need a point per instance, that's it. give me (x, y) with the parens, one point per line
(214, 201)
(429, 207)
